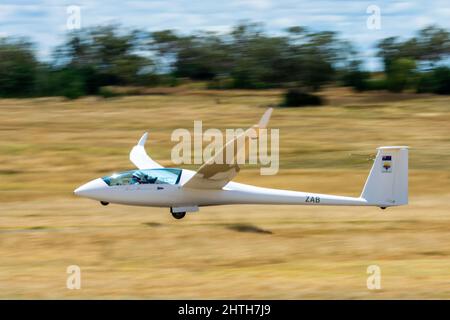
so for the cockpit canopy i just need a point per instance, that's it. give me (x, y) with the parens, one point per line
(144, 176)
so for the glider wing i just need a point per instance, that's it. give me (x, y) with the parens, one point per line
(223, 166)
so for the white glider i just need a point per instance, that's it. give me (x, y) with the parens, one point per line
(184, 190)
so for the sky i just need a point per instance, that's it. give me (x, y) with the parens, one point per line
(45, 21)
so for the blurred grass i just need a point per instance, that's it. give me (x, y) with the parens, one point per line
(49, 146)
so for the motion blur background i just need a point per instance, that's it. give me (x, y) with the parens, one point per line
(80, 83)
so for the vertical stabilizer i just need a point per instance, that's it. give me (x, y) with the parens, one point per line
(387, 184)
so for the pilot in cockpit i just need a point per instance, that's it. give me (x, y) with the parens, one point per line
(140, 177)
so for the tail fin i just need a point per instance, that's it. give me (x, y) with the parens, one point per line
(387, 184)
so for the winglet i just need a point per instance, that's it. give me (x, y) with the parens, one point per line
(264, 121)
(143, 139)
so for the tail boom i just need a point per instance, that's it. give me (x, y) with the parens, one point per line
(386, 186)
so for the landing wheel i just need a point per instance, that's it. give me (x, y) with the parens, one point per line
(382, 208)
(104, 203)
(178, 215)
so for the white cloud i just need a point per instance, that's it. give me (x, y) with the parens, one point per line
(423, 21)
(284, 22)
(6, 11)
(254, 4)
(219, 28)
(398, 7)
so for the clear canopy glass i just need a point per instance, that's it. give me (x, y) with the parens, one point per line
(145, 176)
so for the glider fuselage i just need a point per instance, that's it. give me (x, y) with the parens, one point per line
(175, 195)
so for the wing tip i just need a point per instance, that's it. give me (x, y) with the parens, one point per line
(264, 121)
(143, 139)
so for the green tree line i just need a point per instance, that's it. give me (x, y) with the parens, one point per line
(247, 57)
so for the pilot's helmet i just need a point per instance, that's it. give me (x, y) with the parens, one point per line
(140, 176)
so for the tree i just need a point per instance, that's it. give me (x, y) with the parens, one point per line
(388, 51)
(435, 81)
(18, 66)
(354, 77)
(260, 61)
(105, 56)
(433, 44)
(430, 46)
(402, 75)
(201, 57)
(250, 57)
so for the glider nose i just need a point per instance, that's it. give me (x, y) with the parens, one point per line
(91, 188)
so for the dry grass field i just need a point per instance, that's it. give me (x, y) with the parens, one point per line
(50, 146)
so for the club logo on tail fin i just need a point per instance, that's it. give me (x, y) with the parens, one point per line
(386, 164)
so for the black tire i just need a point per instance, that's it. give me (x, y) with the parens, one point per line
(178, 215)
(104, 203)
